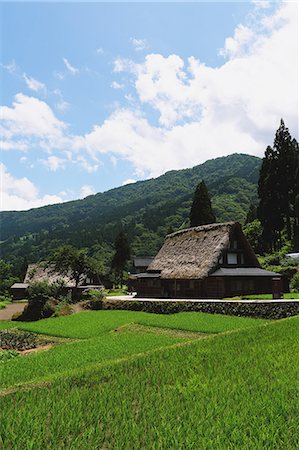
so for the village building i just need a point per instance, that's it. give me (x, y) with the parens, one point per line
(210, 261)
(40, 272)
(141, 263)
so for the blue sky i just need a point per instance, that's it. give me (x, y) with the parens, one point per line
(95, 95)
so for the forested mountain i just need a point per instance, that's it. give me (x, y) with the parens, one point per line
(148, 210)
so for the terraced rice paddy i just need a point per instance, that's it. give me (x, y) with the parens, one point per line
(136, 380)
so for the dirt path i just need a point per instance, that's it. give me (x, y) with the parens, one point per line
(10, 310)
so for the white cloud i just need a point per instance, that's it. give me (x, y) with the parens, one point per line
(33, 84)
(86, 190)
(261, 4)
(100, 51)
(58, 75)
(116, 85)
(139, 44)
(201, 112)
(73, 70)
(54, 163)
(20, 193)
(11, 67)
(204, 111)
(128, 181)
(90, 168)
(31, 119)
(62, 105)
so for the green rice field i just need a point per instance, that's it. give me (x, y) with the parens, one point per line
(91, 324)
(131, 380)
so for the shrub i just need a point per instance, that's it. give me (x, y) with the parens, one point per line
(295, 282)
(93, 299)
(63, 308)
(43, 299)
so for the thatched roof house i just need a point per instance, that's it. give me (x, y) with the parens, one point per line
(208, 261)
(40, 272)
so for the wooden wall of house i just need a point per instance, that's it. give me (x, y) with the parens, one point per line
(19, 293)
(149, 287)
(214, 287)
(220, 287)
(211, 287)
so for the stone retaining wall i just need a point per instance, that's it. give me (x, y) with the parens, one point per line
(273, 310)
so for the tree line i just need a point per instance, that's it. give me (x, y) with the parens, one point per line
(278, 190)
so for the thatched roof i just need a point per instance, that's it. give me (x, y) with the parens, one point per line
(39, 272)
(194, 253)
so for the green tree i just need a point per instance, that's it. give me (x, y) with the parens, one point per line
(121, 256)
(287, 155)
(277, 189)
(6, 278)
(70, 261)
(254, 233)
(201, 210)
(251, 215)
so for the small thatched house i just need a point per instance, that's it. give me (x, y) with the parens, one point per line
(211, 261)
(39, 272)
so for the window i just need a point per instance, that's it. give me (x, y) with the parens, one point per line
(232, 258)
(242, 259)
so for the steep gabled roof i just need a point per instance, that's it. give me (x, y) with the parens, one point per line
(39, 272)
(194, 253)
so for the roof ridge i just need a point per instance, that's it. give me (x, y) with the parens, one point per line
(211, 226)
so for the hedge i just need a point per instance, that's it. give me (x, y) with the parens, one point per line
(270, 310)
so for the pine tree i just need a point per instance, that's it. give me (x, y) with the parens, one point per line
(201, 210)
(277, 189)
(269, 210)
(285, 149)
(121, 256)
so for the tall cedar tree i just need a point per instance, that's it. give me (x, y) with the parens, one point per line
(201, 210)
(121, 256)
(277, 189)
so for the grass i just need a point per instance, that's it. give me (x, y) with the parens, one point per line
(232, 391)
(89, 352)
(3, 304)
(114, 292)
(91, 324)
(4, 324)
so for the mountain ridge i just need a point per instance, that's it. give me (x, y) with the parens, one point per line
(146, 209)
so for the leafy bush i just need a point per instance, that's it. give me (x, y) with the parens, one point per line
(4, 301)
(63, 308)
(295, 282)
(7, 355)
(13, 339)
(43, 299)
(93, 299)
